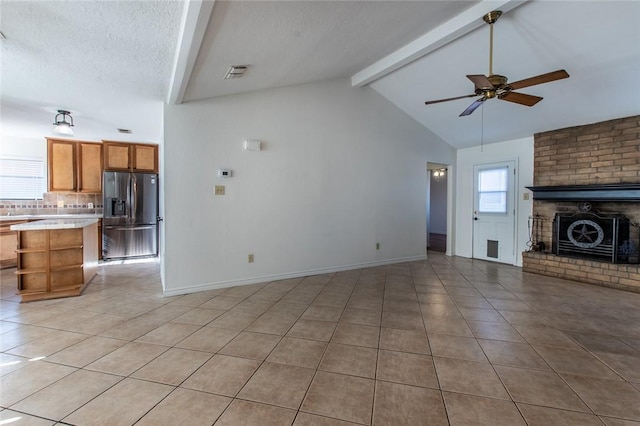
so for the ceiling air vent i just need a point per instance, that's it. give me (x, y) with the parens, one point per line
(236, 71)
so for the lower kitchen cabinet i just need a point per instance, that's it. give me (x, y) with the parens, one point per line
(56, 263)
(8, 243)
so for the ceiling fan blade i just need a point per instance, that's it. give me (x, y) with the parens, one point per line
(520, 98)
(473, 107)
(480, 81)
(450, 99)
(539, 79)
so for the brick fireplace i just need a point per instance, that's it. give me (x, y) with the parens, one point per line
(605, 154)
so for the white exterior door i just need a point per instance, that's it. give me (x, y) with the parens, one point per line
(494, 212)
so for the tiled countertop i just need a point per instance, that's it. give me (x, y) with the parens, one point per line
(54, 224)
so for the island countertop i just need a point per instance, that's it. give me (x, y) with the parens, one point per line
(14, 217)
(54, 224)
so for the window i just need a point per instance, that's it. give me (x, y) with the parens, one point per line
(492, 190)
(21, 178)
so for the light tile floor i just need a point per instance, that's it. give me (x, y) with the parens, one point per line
(444, 341)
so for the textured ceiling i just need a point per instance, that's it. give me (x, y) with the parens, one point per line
(293, 42)
(108, 62)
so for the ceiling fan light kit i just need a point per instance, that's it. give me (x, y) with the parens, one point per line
(496, 85)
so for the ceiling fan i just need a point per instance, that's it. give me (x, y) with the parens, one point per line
(496, 86)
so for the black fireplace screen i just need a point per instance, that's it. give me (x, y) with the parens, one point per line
(604, 237)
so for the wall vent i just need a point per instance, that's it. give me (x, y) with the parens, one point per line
(236, 71)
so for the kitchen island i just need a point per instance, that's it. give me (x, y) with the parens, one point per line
(56, 257)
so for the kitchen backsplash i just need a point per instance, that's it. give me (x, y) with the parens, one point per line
(73, 204)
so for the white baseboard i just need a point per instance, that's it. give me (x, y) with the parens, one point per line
(298, 274)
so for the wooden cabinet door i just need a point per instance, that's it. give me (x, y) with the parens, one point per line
(61, 165)
(8, 246)
(9, 243)
(89, 167)
(117, 156)
(145, 158)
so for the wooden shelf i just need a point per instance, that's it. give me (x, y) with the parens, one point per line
(66, 247)
(31, 271)
(30, 295)
(57, 262)
(65, 267)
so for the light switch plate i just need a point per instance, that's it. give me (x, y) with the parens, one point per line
(219, 189)
(60, 204)
(525, 196)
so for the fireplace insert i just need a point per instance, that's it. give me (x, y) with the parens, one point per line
(598, 236)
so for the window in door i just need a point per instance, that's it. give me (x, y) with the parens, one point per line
(492, 190)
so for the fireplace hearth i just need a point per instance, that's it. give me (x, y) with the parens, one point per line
(605, 237)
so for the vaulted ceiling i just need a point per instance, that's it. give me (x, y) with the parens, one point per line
(114, 63)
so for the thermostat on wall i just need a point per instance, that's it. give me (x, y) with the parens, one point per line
(224, 173)
(250, 145)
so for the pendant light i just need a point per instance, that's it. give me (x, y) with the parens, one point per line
(63, 127)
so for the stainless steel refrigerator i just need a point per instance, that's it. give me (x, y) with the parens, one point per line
(130, 218)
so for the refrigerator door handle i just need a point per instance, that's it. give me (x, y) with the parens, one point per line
(130, 228)
(134, 197)
(129, 200)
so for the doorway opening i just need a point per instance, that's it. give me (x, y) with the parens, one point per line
(437, 206)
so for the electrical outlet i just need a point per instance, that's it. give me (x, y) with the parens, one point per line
(60, 204)
(219, 189)
(377, 246)
(89, 205)
(250, 258)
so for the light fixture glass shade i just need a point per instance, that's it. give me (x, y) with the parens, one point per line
(63, 127)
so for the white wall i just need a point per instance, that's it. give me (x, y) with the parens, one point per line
(520, 150)
(23, 147)
(341, 170)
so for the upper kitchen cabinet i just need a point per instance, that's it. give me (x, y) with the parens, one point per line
(89, 167)
(145, 158)
(135, 157)
(74, 166)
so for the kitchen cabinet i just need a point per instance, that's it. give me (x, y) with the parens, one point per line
(56, 258)
(134, 157)
(89, 157)
(8, 243)
(74, 166)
